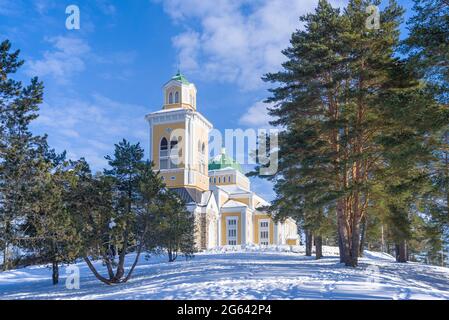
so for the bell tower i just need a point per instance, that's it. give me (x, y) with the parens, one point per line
(179, 137)
(179, 93)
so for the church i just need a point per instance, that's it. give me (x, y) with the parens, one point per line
(216, 191)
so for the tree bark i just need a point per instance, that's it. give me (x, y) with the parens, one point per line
(5, 258)
(362, 237)
(95, 272)
(401, 251)
(318, 247)
(55, 273)
(343, 233)
(139, 250)
(309, 243)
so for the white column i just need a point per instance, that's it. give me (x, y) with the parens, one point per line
(191, 147)
(243, 226)
(186, 151)
(151, 140)
(219, 226)
(276, 233)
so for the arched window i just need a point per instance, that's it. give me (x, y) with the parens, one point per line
(177, 97)
(203, 148)
(199, 146)
(174, 153)
(170, 98)
(163, 154)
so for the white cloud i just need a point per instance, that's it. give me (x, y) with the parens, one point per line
(235, 41)
(256, 116)
(66, 59)
(106, 7)
(69, 56)
(89, 128)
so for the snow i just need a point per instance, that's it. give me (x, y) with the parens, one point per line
(279, 272)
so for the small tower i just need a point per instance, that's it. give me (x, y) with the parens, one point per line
(179, 93)
(179, 137)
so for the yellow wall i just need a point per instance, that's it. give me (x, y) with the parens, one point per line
(292, 242)
(242, 200)
(256, 228)
(223, 199)
(159, 131)
(201, 181)
(177, 183)
(223, 227)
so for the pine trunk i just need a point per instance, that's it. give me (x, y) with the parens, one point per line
(362, 237)
(318, 247)
(5, 257)
(309, 243)
(55, 273)
(345, 252)
(401, 251)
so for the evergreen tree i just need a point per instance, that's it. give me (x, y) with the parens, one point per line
(19, 148)
(177, 227)
(343, 93)
(428, 49)
(48, 229)
(428, 43)
(114, 212)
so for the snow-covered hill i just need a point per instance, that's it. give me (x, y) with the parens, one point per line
(250, 274)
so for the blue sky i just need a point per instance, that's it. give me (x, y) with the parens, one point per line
(101, 80)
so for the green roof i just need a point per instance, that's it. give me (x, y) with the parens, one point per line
(222, 161)
(180, 77)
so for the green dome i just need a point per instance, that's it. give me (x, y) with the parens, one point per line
(180, 77)
(222, 161)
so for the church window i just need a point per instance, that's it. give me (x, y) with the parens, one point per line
(177, 97)
(163, 154)
(170, 98)
(231, 227)
(174, 153)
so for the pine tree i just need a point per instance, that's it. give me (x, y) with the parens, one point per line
(114, 213)
(428, 49)
(19, 148)
(176, 227)
(428, 43)
(47, 231)
(337, 85)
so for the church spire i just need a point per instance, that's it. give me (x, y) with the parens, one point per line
(179, 93)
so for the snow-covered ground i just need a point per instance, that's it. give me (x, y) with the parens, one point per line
(253, 273)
